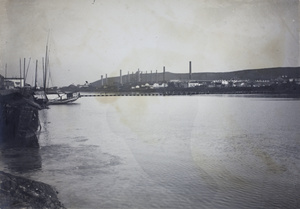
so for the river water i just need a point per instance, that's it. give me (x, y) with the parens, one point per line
(168, 152)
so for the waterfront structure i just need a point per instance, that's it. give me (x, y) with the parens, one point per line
(11, 83)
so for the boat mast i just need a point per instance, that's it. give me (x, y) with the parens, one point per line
(20, 72)
(35, 79)
(5, 70)
(46, 63)
(45, 71)
(24, 70)
(20, 68)
(25, 76)
(43, 65)
(49, 76)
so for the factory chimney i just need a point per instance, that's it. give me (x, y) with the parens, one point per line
(164, 74)
(121, 82)
(139, 76)
(190, 74)
(101, 80)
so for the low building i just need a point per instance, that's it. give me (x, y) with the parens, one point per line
(163, 85)
(194, 84)
(297, 81)
(11, 83)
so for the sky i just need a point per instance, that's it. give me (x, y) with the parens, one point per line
(90, 38)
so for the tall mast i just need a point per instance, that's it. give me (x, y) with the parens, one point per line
(35, 79)
(24, 70)
(43, 65)
(6, 70)
(49, 75)
(46, 63)
(25, 76)
(20, 68)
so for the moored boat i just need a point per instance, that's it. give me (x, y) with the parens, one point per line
(19, 118)
(62, 97)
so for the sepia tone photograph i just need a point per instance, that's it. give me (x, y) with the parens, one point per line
(149, 104)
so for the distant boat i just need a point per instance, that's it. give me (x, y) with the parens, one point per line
(55, 98)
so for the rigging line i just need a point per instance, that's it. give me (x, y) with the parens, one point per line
(49, 78)
(48, 73)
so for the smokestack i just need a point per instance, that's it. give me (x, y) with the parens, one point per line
(128, 78)
(190, 74)
(164, 74)
(139, 76)
(121, 77)
(106, 81)
(101, 80)
(146, 77)
(132, 77)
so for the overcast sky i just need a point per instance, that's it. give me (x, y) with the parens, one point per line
(88, 39)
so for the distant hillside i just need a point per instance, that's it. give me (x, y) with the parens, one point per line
(254, 74)
(251, 74)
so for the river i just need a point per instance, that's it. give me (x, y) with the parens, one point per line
(207, 151)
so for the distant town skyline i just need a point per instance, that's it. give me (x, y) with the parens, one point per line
(88, 39)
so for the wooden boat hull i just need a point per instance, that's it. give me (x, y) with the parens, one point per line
(62, 98)
(19, 120)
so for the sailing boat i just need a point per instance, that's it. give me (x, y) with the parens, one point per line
(56, 97)
(39, 95)
(60, 97)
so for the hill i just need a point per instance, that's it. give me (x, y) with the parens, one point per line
(249, 74)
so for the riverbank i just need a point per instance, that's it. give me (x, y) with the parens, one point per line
(19, 128)
(19, 192)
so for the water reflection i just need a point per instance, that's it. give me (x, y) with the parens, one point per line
(44, 123)
(21, 160)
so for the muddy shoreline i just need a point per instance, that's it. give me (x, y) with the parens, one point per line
(19, 192)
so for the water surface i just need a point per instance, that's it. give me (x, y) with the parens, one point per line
(168, 152)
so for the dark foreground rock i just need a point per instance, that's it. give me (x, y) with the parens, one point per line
(19, 192)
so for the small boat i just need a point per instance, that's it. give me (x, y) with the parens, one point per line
(56, 97)
(62, 97)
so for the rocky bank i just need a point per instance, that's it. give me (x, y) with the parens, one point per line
(19, 192)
